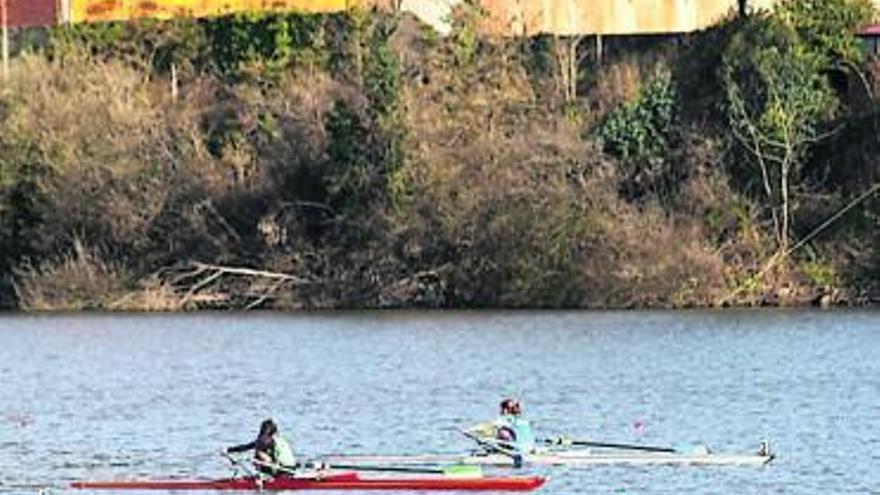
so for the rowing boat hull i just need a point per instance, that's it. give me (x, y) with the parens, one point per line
(345, 481)
(567, 458)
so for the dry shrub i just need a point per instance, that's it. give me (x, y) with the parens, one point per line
(268, 146)
(487, 173)
(660, 261)
(79, 279)
(512, 206)
(152, 295)
(95, 126)
(286, 122)
(616, 84)
(150, 178)
(81, 113)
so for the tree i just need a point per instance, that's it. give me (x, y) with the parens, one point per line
(568, 58)
(777, 97)
(569, 62)
(775, 73)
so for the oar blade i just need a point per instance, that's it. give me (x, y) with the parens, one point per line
(463, 471)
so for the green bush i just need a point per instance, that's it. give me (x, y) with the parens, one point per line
(382, 72)
(146, 44)
(820, 274)
(828, 27)
(466, 19)
(642, 129)
(640, 134)
(23, 198)
(348, 179)
(272, 42)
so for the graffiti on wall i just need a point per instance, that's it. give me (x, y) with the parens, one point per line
(114, 10)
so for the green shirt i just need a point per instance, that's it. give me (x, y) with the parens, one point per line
(282, 453)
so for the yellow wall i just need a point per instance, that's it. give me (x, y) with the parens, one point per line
(107, 10)
(564, 17)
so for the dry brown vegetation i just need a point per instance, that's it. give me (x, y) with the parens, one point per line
(285, 190)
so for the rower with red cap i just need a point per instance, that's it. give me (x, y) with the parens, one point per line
(510, 429)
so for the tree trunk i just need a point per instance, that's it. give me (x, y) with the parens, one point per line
(174, 83)
(573, 68)
(786, 167)
(569, 66)
(768, 190)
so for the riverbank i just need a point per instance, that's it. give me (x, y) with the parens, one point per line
(361, 161)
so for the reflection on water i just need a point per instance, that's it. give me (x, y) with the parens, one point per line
(116, 396)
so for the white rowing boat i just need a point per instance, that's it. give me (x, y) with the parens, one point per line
(574, 458)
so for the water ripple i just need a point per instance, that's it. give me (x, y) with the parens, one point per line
(120, 396)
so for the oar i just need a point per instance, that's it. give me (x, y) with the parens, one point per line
(459, 470)
(608, 445)
(248, 469)
(277, 467)
(498, 446)
(237, 463)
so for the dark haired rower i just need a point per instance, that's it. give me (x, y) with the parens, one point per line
(271, 450)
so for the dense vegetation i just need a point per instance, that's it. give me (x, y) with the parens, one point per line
(359, 160)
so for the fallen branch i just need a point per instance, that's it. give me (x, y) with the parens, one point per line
(250, 272)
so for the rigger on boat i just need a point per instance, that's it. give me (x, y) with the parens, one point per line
(571, 458)
(509, 441)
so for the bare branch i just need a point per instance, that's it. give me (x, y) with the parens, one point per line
(260, 300)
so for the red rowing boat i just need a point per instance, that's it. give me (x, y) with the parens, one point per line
(341, 481)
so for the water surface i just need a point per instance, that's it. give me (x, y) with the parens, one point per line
(115, 396)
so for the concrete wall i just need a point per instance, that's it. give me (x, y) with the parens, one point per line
(611, 17)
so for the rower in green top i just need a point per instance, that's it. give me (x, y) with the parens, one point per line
(510, 429)
(272, 453)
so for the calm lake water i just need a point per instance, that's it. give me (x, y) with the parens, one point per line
(113, 396)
